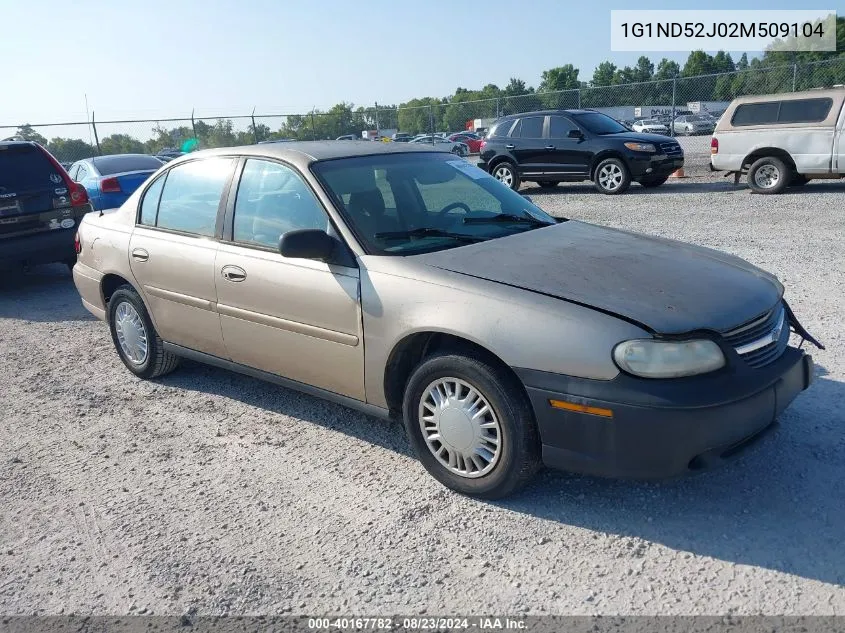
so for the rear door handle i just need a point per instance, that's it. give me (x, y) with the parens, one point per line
(509, 146)
(233, 273)
(140, 254)
(550, 146)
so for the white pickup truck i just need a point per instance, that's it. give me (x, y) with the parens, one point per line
(782, 140)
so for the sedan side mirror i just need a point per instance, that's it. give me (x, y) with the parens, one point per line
(307, 244)
(575, 134)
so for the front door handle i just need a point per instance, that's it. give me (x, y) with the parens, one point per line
(550, 146)
(233, 273)
(509, 146)
(140, 254)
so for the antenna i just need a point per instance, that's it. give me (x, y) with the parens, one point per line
(88, 118)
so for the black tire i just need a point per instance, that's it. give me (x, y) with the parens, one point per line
(777, 173)
(158, 361)
(519, 439)
(648, 183)
(547, 183)
(799, 181)
(506, 173)
(621, 185)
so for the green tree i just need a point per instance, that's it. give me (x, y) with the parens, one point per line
(644, 70)
(559, 78)
(515, 88)
(698, 63)
(29, 134)
(742, 64)
(70, 149)
(667, 69)
(604, 74)
(723, 63)
(121, 144)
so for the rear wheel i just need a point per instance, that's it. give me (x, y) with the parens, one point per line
(769, 175)
(471, 425)
(506, 174)
(654, 181)
(136, 340)
(612, 176)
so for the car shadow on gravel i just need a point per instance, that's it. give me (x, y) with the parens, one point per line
(193, 376)
(779, 506)
(43, 294)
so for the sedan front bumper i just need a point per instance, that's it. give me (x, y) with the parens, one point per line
(660, 428)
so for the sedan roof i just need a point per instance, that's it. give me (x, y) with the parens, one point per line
(303, 153)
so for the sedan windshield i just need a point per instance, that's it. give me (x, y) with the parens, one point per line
(402, 204)
(599, 124)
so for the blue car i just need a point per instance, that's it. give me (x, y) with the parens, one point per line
(110, 180)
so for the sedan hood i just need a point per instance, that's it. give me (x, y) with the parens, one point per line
(665, 286)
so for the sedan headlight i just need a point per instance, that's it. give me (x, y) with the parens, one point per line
(652, 358)
(641, 147)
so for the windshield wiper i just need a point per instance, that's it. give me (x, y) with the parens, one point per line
(507, 218)
(428, 232)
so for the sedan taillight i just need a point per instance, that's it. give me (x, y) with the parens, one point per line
(110, 185)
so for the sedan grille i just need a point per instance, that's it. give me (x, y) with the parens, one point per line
(762, 340)
(671, 149)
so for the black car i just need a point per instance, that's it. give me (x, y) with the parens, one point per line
(40, 207)
(573, 145)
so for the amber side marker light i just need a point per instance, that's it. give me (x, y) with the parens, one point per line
(581, 408)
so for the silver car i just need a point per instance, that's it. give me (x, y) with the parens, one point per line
(440, 142)
(694, 124)
(408, 284)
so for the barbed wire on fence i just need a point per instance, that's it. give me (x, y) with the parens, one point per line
(665, 97)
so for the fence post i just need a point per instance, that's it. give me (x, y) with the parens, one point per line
(674, 92)
(794, 75)
(497, 108)
(378, 127)
(194, 128)
(96, 138)
(430, 121)
(579, 98)
(313, 129)
(254, 130)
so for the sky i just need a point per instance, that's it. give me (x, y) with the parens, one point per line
(156, 58)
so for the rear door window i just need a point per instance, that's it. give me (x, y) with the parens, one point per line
(531, 127)
(26, 168)
(191, 196)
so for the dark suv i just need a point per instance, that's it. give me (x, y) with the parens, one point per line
(573, 145)
(40, 207)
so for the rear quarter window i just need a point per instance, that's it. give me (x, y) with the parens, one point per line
(25, 168)
(782, 112)
(500, 129)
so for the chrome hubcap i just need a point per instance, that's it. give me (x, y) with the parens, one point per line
(131, 333)
(767, 176)
(460, 428)
(503, 174)
(610, 177)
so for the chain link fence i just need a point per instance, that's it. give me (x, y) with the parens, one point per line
(658, 99)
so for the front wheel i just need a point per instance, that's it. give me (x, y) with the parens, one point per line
(612, 176)
(471, 426)
(506, 174)
(654, 181)
(136, 340)
(769, 175)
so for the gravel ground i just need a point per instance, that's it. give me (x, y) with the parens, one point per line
(208, 492)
